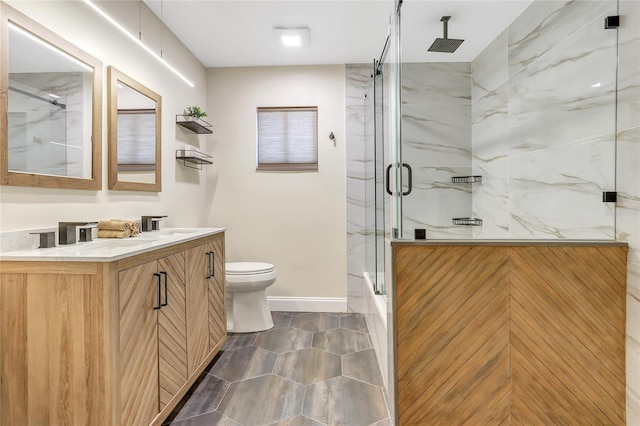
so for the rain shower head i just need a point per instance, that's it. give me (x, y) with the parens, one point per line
(446, 44)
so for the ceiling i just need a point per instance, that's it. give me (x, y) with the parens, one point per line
(230, 33)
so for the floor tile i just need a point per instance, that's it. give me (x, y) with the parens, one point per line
(362, 366)
(344, 401)
(284, 340)
(315, 322)
(280, 319)
(354, 322)
(263, 400)
(298, 421)
(208, 419)
(205, 397)
(385, 422)
(308, 366)
(341, 341)
(236, 341)
(244, 363)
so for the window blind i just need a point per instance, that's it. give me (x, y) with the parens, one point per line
(287, 138)
(136, 140)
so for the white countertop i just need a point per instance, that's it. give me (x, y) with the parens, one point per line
(111, 249)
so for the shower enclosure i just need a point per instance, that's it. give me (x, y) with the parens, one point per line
(519, 142)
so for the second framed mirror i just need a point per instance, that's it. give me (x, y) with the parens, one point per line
(135, 114)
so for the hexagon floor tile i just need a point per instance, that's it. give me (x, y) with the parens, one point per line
(207, 419)
(344, 401)
(315, 322)
(284, 340)
(308, 366)
(263, 400)
(280, 319)
(244, 363)
(236, 341)
(298, 421)
(205, 398)
(355, 322)
(362, 366)
(341, 341)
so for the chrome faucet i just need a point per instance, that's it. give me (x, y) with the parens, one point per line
(67, 232)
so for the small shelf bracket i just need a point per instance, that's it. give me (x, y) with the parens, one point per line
(196, 125)
(193, 159)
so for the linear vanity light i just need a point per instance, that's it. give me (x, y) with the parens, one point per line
(49, 46)
(139, 42)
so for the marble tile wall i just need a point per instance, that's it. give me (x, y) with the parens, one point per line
(436, 143)
(544, 124)
(359, 158)
(628, 187)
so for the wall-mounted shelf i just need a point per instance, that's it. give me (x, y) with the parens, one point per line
(466, 179)
(196, 125)
(192, 158)
(467, 221)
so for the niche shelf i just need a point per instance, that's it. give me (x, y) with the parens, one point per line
(196, 125)
(192, 158)
(466, 179)
(467, 221)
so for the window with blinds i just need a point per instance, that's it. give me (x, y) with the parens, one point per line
(287, 138)
(136, 140)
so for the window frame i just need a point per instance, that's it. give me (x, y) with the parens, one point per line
(286, 167)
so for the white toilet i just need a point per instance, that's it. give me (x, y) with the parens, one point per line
(247, 308)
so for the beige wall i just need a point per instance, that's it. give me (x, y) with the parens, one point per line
(185, 196)
(297, 221)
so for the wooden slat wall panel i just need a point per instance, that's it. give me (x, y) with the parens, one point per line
(172, 330)
(510, 335)
(568, 326)
(217, 311)
(453, 334)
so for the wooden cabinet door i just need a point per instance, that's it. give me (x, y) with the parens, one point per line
(217, 309)
(197, 273)
(172, 329)
(138, 294)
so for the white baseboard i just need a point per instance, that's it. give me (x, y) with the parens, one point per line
(308, 304)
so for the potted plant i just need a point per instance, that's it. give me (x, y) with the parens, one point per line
(194, 112)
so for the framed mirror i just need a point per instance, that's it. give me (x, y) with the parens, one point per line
(134, 135)
(50, 108)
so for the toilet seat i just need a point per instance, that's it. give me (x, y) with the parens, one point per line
(248, 268)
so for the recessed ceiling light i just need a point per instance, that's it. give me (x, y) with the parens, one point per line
(292, 37)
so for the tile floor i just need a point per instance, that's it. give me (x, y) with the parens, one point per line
(311, 369)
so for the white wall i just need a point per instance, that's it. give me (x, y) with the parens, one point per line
(295, 220)
(185, 196)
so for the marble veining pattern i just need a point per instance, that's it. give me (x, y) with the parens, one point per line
(310, 386)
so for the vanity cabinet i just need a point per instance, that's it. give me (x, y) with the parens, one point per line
(153, 340)
(81, 342)
(205, 300)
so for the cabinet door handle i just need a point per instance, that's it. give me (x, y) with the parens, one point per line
(213, 264)
(159, 291)
(166, 291)
(208, 254)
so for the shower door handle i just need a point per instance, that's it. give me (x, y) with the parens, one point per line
(410, 178)
(409, 182)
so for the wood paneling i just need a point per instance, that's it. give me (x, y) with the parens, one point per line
(499, 334)
(217, 311)
(139, 400)
(172, 330)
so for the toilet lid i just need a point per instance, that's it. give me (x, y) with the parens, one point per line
(247, 268)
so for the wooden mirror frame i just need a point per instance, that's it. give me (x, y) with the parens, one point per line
(112, 95)
(7, 177)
